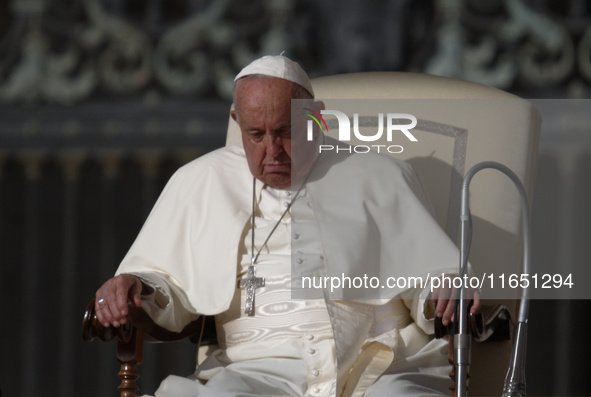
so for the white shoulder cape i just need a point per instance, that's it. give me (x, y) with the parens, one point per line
(370, 211)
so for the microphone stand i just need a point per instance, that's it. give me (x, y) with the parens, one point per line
(515, 380)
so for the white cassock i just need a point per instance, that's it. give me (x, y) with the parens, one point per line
(195, 246)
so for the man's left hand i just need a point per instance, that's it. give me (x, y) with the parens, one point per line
(445, 299)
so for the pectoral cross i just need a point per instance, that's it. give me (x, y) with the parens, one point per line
(251, 283)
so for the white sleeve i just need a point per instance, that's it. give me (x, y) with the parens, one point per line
(421, 308)
(166, 303)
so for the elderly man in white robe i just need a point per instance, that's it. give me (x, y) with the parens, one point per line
(239, 216)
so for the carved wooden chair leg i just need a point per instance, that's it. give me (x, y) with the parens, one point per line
(130, 355)
(131, 336)
(450, 360)
(129, 346)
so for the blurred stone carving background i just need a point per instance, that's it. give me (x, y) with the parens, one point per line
(67, 51)
(101, 100)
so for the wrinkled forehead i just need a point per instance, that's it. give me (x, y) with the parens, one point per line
(259, 91)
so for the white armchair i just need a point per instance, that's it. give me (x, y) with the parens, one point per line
(459, 124)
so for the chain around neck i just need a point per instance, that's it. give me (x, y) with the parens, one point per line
(254, 256)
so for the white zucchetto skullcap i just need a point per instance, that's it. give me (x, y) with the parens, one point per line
(280, 67)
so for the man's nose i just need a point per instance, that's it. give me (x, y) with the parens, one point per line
(274, 145)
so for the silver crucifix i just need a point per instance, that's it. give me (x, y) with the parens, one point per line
(251, 283)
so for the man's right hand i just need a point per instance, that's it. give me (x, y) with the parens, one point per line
(111, 299)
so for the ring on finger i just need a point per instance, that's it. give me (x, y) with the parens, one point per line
(102, 300)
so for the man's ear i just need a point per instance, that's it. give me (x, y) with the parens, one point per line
(317, 106)
(233, 115)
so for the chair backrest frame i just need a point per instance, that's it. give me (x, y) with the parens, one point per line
(476, 123)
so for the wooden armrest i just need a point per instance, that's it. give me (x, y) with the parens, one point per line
(136, 318)
(492, 323)
(130, 339)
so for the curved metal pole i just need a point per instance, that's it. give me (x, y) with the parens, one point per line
(515, 380)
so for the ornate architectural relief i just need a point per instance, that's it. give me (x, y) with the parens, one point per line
(67, 51)
(46, 61)
(55, 56)
(516, 45)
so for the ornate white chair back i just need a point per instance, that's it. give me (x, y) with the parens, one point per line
(459, 124)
